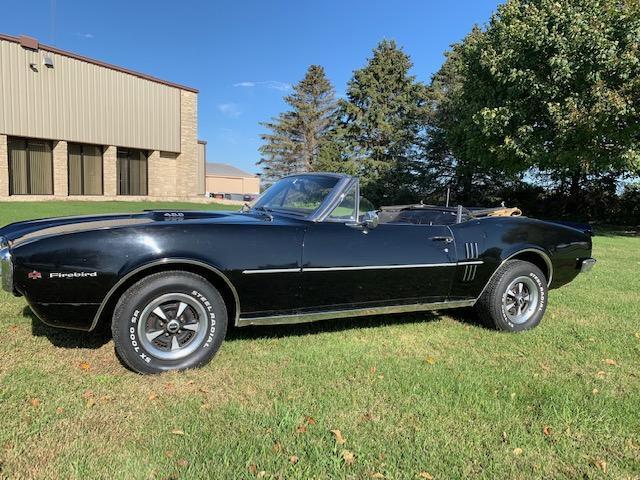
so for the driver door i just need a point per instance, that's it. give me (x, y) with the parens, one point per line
(345, 265)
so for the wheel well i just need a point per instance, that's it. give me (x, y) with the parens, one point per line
(211, 276)
(537, 259)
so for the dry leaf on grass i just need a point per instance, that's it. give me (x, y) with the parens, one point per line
(183, 462)
(301, 428)
(546, 430)
(600, 464)
(152, 396)
(376, 475)
(517, 451)
(35, 402)
(253, 469)
(348, 457)
(85, 366)
(595, 391)
(601, 373)
(610, 361)
(168, 454)
(277, 447)
(430, 360)
(293, 459)
(504, 436)
(177, 432)
(90, 402)
(309, 420)
(425, 475)
(340, 440)
(59, 410)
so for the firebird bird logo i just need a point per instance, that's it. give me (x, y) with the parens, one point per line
(35, 275)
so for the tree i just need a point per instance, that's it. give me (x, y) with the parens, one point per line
(297, 135)
(551, 86)
(382, 123)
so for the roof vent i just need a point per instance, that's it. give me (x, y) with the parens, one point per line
(29, 42)
(48, 61)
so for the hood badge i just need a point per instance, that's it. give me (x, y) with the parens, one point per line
(35, 275)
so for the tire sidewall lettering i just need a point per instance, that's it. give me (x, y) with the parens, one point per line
(542, 301)
(135, 319)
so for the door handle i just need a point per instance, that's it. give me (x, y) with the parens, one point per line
(442, 239)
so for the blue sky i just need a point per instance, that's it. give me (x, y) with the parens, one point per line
(244, 55)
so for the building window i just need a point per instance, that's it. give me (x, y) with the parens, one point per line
(132, 172)
(85, 169)
(30, 166)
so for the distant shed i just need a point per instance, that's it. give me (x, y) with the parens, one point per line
(227, 181)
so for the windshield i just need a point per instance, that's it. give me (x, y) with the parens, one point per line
(300, 195)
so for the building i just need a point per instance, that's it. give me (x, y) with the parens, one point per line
(231, 183)
(73, 127)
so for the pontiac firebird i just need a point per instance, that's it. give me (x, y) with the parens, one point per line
(309, 248)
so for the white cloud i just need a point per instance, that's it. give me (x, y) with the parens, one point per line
(272, 84)
(85, 35)
(230, 110)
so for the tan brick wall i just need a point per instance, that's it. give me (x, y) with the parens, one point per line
(187, 163)
(162, 174)
(60, 169)
(4, 167)
(110, 171)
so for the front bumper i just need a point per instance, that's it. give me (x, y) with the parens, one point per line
(587, 264)
(6, 266)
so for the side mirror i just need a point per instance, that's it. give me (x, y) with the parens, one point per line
(371, 219)
(368, 221)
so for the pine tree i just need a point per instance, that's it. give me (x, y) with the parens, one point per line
(383, 125)
(297, 136)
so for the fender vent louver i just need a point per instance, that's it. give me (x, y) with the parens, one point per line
(471, 252)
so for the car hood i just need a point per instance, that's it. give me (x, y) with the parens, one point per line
(21, 232)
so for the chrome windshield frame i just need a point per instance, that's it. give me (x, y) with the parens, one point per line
(328, 204)
(335, 198)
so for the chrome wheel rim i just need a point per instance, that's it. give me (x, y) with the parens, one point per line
(520, 300)
(172, 326)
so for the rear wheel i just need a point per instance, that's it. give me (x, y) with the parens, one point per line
(516, 297)
(169, 321)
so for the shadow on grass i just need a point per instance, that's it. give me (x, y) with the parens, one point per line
(77, 339)
(616, 231)
(67, 338)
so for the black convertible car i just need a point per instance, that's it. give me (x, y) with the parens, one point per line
(170, 282)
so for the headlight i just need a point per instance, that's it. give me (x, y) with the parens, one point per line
(6, 266)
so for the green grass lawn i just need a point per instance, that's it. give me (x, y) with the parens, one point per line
(413, 396)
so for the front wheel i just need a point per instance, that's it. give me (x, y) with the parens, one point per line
(169, 321)
(516, 297)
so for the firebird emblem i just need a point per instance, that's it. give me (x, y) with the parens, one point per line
(35, 275)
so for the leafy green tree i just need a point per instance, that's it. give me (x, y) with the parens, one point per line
(382, 125)
(296, 136)
(550, 86)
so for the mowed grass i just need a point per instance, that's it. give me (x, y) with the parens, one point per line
(413, 396)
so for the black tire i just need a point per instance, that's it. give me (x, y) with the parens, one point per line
(200, 325)
(494, 305)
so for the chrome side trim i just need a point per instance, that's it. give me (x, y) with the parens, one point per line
(166, 261)
(363, 267)
(273, 270)
(356, 312)
(377, 267)
(544, 256)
